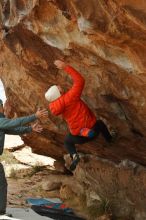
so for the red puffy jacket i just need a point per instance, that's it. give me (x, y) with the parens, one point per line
(76, 113)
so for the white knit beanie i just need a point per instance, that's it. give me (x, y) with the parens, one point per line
(52, 94)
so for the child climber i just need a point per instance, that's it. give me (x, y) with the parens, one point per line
(82, 122)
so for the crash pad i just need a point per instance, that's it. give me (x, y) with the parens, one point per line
(56, 214)
(49, 204)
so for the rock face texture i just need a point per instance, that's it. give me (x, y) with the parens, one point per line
(119, 189)
(105, 40)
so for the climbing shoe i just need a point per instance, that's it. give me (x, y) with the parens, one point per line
(75, 161)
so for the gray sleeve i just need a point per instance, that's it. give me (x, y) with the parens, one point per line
(6, 124)
(19, 130)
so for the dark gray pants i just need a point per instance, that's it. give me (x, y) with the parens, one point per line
(72, 140)
(3, 190)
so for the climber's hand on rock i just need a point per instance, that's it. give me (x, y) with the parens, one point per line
(59, 64)
(41, 113)
(37, 127)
